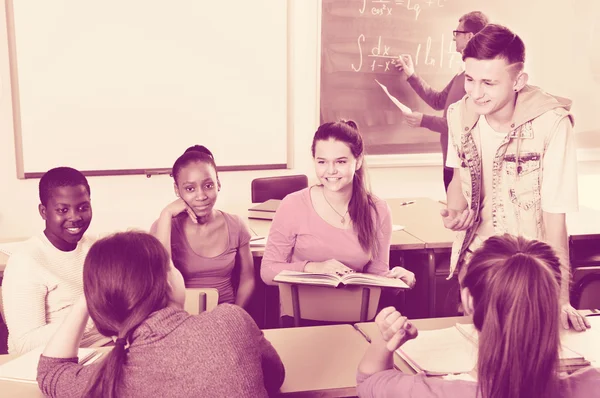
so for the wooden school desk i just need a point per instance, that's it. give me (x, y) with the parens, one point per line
(372, 331)
(319, 361)
(423, 221)
(26, 390)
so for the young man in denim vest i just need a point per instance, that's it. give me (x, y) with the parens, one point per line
(513, 155)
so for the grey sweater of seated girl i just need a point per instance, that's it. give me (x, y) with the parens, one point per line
(221, 353)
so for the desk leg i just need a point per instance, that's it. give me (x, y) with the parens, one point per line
(296, 305)
(432, 289)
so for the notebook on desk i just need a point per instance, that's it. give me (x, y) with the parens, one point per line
(265, 210)
(453, 350)
(24, 368)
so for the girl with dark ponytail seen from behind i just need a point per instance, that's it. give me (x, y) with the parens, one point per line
(132, 292)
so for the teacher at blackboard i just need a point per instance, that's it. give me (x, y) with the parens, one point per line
(468, 25)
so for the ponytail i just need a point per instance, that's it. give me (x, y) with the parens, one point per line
(360, 207)
(108, 375)
(124, 281)
(515, 287)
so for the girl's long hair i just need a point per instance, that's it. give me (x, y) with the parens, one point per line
(515, 285)
(361, 203)
(124, 280)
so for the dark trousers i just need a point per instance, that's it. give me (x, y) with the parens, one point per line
(448, 174)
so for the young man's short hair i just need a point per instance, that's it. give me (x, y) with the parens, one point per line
(60, 177)
(474, 21)
(496, 41)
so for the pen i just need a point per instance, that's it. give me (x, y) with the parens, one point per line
(410, 202)
(359, 330)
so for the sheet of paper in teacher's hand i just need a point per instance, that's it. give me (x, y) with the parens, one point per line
(400, 105)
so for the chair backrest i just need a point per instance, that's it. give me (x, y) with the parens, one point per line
(267, 188)
(586, 288)
(198, 300)
(324, 303)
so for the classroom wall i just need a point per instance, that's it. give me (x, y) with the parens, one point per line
(122, 202)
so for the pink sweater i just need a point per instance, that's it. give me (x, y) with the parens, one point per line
(392, 383)
(299, 235)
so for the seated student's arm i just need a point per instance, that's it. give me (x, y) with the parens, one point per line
(59, 374)
(559, 196)
(281, 241)
(246, 262)
(395, 330)
(161, 228)
(24, 294)
(273, 369)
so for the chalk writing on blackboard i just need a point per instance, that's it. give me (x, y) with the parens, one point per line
(385, 7)
(384, 54)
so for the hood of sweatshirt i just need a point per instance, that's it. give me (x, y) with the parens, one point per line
(531, 103)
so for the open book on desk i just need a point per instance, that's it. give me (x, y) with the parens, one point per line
(353, 278)
(454, 350)
(24, 368)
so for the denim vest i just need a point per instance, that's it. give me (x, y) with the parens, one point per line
(516, 175)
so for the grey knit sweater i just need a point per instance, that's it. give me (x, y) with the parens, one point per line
(221, 353)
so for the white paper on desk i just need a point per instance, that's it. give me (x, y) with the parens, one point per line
(400, 105)
(396, 227)
(24, 367)
(586, 343)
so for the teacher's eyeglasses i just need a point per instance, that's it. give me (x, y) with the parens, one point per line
(455, 32)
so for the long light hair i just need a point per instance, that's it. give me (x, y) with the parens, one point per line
(124, 281)
(515, 285)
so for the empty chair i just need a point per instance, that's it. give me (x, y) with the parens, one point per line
(267, 188)
(198, 300)
(324, 303)
(586, 288)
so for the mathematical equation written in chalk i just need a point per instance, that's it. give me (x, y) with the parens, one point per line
(380, 58)
(386, 7)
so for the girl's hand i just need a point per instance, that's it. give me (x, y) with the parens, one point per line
(177, 207)
(403, 274)
(395, 329)
(327, 267)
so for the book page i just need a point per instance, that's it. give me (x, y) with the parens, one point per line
(566, 353)
(358, 278)
(586, 343)
(439, 352)
(307, 278)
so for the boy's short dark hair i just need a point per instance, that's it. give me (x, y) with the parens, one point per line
(60, 177)
(474, 21)
(496, 41)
